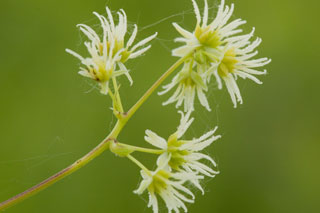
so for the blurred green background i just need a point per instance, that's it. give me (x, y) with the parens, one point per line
(50, 116)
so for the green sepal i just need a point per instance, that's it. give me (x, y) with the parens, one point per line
(120, 150)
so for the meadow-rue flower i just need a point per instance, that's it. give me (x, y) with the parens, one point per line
(207, 38)
(185, 154)
(189, 83)
(168, 185)
(218, 51)
(237, 61)
(108, 55)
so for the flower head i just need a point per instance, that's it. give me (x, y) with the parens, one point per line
(189, 83)
(168, 185)
(237, 62)
(208, 37)
(185, 154)
(109, 53)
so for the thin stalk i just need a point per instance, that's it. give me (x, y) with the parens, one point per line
(117, 95)
(155, 86)
(138, 163)
(111, 94)
(141, 149)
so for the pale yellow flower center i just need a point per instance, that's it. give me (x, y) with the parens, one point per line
(118, 46)
(177, 156)
(125, 55)
(188, 82)
(228, 63)
(101, 74)
(159, 181)
(207, 38)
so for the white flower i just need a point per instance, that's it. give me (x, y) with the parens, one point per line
(108, 55)
(237, 61)
(218, 51)
(167, 185)
(189, 83)
(208, 37)
(185, 154)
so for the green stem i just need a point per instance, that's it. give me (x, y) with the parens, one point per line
(138, 163)
(141, 149)
(117, 95)
(111, 95)
(65, 172)
(96, 151)
(155, 86)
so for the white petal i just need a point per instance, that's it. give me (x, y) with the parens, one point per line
(174, 97)
(143, 42)
(104, 87)
(218, 79)
(219, 16)
(254, 72)
(228, 15)
(189, 95)
(231, 89)
(75, 54)
(257, 62)
(89, 32)
(133, 36)
(236, 90)
(247, 56)
(203, 99)
(85, 73)
(143, 186)
(183, 51)
(139, 52)
(231, 26)
(153, 202)
(184, 189)
(201, 145)
(246, 75)
(110, 19)
(197, 12)
(200, 156)
(169, 86)
(155, 140)
(241, 38)
(183, 40)
(182, 31)
(205, 136)
(163, 160)
(205, 14)
(104, 24)
(203, 169)
(185, 123)
(123, 67)
(252, 46)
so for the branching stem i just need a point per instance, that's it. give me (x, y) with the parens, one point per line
(97, 150)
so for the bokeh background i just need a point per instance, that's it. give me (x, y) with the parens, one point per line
(50, 116)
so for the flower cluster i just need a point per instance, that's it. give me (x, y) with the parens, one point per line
(180, 163)
(109, 53)
(216, 50)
